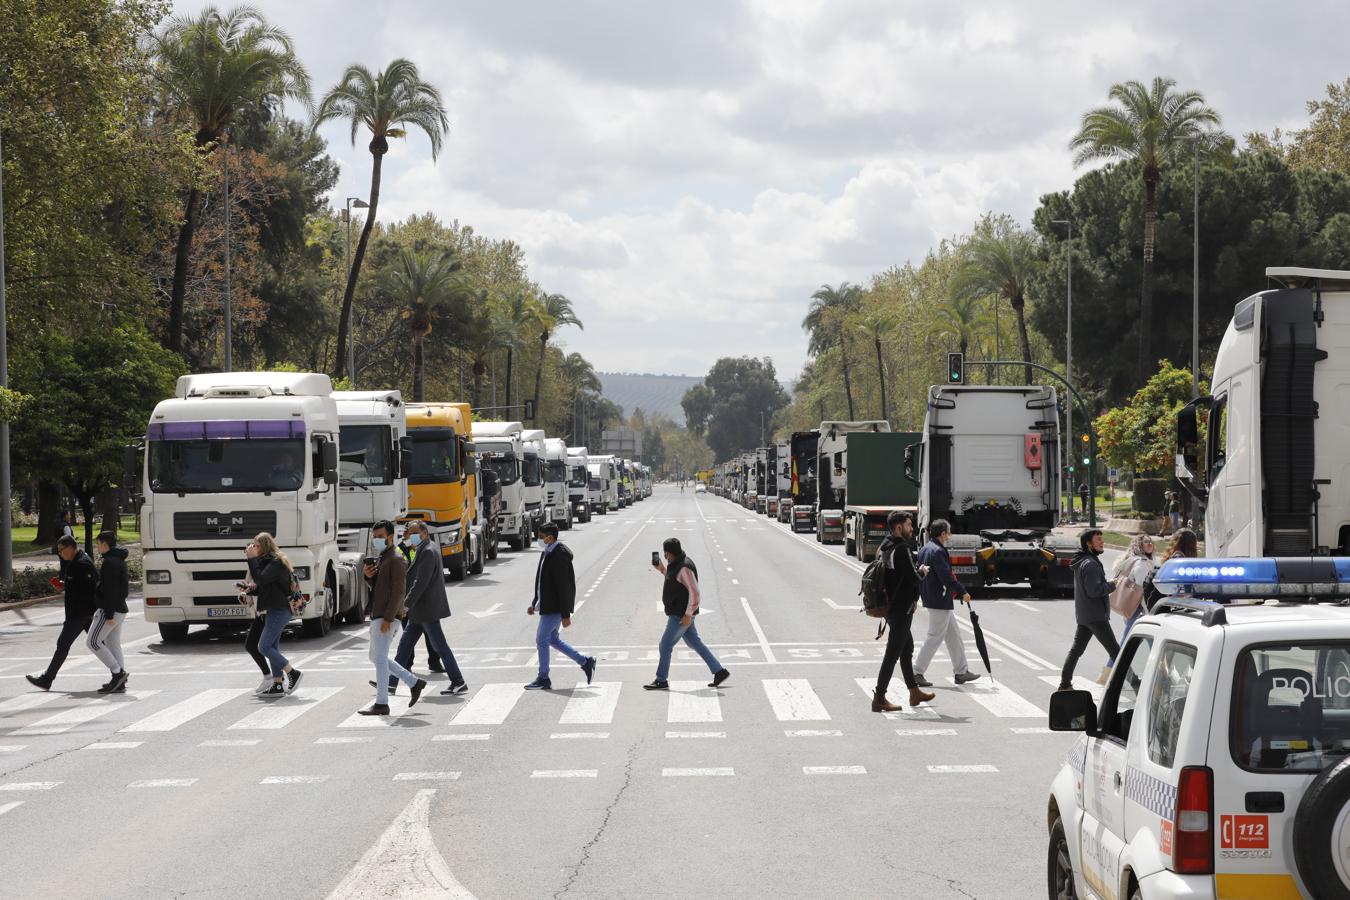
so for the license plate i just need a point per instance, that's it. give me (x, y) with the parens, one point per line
(964, 570)
(226, 612)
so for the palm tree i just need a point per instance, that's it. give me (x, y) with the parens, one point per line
(826, 321)
(384, 103)
(424, 284)
(485, 332)
(555, 311)
(878, 326)
(1156, 126)
(211, 66)
(962, 316)
(519, 311)
(578, 372)
(1000, 260)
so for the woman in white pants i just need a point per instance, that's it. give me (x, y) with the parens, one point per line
(105, 633)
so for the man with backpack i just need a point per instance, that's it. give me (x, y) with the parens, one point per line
(893, 579)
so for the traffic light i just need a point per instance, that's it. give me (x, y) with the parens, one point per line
(956, 368)
(1087, 460)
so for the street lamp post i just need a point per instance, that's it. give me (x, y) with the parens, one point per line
(1068, 355)
(357, 203)
(1195, 280)
(229, 303)
(6, 538)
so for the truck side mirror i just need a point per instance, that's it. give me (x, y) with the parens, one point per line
(328, 460)
(912, 458)
(1188, 446)
(131, 469)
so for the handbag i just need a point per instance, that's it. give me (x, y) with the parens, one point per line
(1126, 597)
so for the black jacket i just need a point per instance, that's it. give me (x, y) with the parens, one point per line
(81, 580)
(271, 582)
(113, 582)
(1091, 590)
(556, 583)
(902, 577)
(424, 597)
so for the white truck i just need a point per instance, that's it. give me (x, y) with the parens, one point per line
(603, 468)
(987, 464)
(1275, 457)
(501, 449)
(783, 480)
(228, 456)
(831, 475)
(372, 470)
(557, 508)
(578, 482)
(532, 473)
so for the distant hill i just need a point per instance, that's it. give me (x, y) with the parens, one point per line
(654, 394)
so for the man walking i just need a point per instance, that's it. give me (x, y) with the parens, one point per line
(79, 580)
(105, 633)
(387, 579)
(427, 604)
(939, 588)
(679, 596)
(555, 592)
(903, 577)
(1091, 604)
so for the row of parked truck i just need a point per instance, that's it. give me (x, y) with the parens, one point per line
(986, 461)
(233, 454)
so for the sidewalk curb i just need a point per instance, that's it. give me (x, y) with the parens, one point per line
(31, 601)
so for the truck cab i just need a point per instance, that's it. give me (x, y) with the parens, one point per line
(783, 477)
(228, 456)
(771, 480)
(832, 475)
(440, 491)
(501, 449)
(373, 460)
(603, 469)
(1269, 471)
(532, 474)
(987, 464)
(578, 480)
(803, 459)
(557, 507)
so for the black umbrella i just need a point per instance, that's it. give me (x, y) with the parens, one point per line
(979, 639)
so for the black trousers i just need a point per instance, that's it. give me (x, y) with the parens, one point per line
(251, 644)
(899, 646)
(1084, 633)
(71, 629)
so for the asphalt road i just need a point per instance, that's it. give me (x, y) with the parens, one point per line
(782, 783)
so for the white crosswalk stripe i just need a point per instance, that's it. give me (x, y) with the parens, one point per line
(25, 701)
(1080, 683)
(284, 710)
(693, 701)
(592, 704)
(1001, 700)
(490, 705)
(793, 700)
(186, 710)
(87, 711)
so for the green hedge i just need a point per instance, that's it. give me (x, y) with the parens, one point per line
(1150, 495)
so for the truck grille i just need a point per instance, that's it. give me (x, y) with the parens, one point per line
(212, 526)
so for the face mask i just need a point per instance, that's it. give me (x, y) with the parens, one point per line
(379, 544)
(415, 540)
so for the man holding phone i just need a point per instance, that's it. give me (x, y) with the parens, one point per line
(680, 597)
(555, 593)
(388, 579)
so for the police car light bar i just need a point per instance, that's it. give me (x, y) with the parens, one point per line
(1262, 577)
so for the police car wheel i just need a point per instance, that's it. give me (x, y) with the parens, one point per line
(1059, 867)
(1322, 834)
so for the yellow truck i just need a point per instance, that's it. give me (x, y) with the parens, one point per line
(440, 489)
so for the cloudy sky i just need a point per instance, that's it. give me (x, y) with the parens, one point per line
(689, 172)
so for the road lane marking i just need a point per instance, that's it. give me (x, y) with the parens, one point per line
(185, 711)
(7, 807)
(714, 772)
(163, 782)
(249, 742)
(11, 748)
(29, 785)
(815, 732)
(1026, 606)
(578, 735)
(565, 773)
(692, 701)
(85, 712)
(427, 776)
(1080, 684)
(793, 700)
(591, 704)
(490, 705)
(462, 737)
(294, 779)
(764, 645)
(1001, 700)
(851, 607)
(113, 745)
(398, 707)
(25, 701)
(344, 740)
(1041, 730)
(696, 734)
(834, 770)
(285, 710)
(957, 770)
(924, 732)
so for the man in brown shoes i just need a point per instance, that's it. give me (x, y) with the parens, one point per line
(903, 577)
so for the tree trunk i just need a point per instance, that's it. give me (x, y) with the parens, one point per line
(181, 259)
(478, 370)
(49, 513)
(1146, 292)
(539, 372)
(848, 384)
(419, 369)
(84, 496)
(110, 510)
(510, 364)
(350, 293)
(881, 380)
(1019, 305)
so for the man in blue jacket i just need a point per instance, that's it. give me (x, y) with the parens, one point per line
(939, 588)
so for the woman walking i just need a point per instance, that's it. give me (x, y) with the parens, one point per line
(270, 580)
(1131, 572)
(1183, 545)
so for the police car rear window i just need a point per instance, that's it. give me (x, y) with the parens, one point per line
(1291, 706)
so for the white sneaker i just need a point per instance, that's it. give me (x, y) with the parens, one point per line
(263, 686)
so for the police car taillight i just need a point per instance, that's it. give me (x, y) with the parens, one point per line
(1193, 838)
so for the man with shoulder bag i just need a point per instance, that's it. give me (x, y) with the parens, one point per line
(902, 577)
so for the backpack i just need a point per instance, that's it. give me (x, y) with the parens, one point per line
(873, 590)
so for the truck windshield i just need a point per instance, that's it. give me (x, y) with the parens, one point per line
(435, 456)
(556, 471)
(1291, 706)
(593, 484)
(365, 456)
(578, 479)
(206, 466)
(533, 470)
(504, 464)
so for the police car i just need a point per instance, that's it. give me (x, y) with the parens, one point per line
(1218, 763)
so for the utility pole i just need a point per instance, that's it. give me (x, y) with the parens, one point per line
(229, 306)
(1068, 360)
(1195, 281)
(6, 524)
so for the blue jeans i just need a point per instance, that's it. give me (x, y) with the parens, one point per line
(407, 646)
(380, 642)
(675, 631)
(269, 645)
(546, 636)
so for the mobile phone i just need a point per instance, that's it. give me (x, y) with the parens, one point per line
(242, 585)
(370, 561)
(656, 558)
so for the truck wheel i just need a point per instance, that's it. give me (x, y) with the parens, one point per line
(526, 538)
(850, 547)
(476, 568)
(493, 540)
(173, 632)
(515, 543)
(820, 536)
(457, 572)
(1320, 829)
(1059, 867)
(321, 624)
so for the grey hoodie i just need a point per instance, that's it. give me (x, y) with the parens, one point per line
(1091, 590)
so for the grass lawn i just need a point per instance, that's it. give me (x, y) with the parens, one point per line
(23, 536)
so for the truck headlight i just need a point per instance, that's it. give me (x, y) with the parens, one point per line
(452, 537)
(301, 573)
(157, 576)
